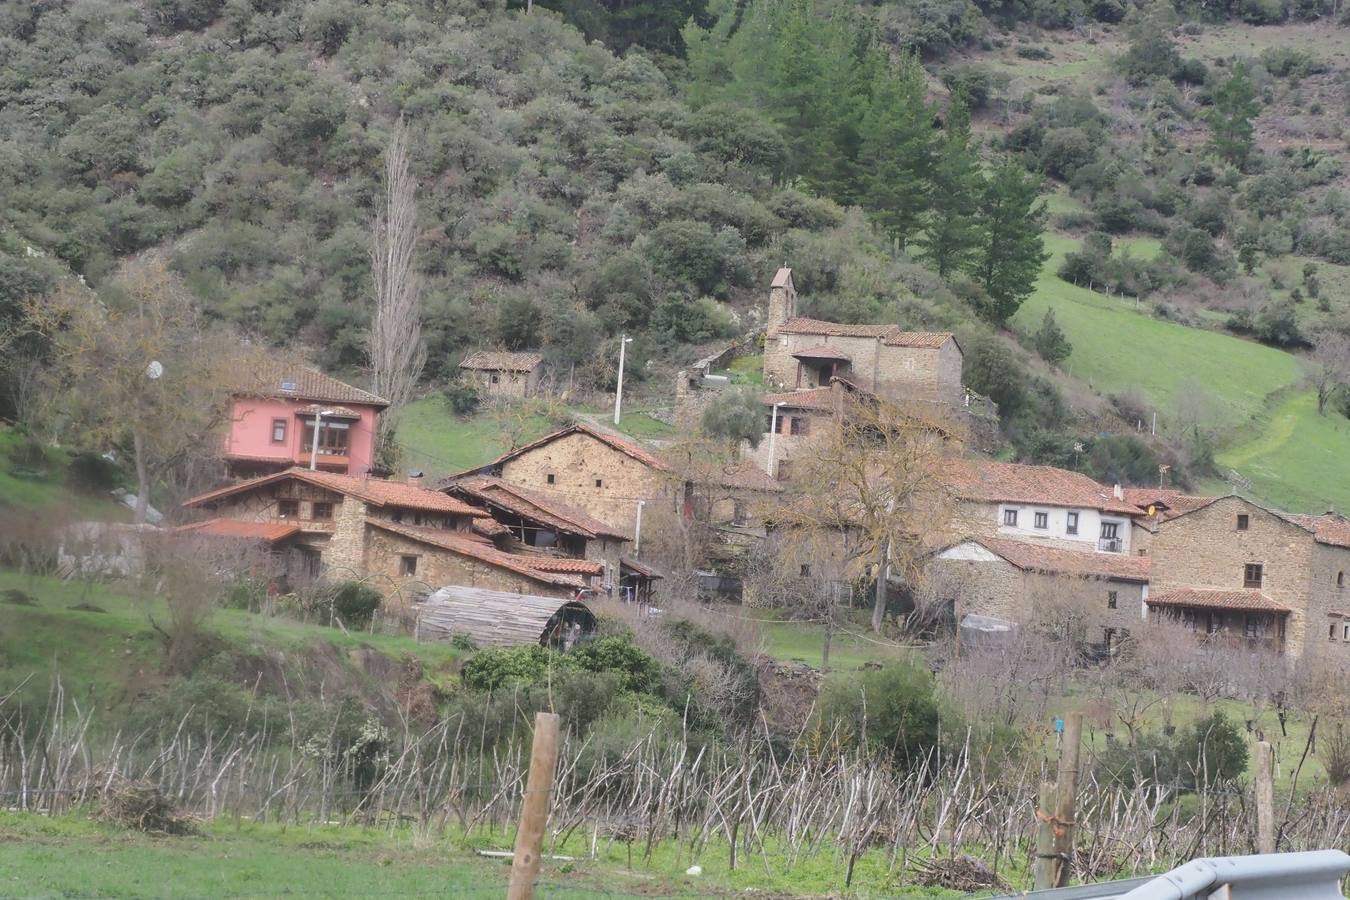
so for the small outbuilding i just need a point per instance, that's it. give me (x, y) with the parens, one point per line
(500, 374)
(501, 619)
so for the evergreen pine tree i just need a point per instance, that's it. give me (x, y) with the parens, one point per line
(1230, 118)
(898, 149)
(1012, 247)
(951, 231)
(1051, 342)
(797, 93)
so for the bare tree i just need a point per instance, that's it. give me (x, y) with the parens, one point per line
(1330, 367)
(870, 491)
(137, 368)
(397, 354)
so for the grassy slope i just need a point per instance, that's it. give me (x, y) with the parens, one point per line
(46, 490)
(112, 653)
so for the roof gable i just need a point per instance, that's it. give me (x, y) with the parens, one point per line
(994, 482)
(622, 444)
(374, 491)
(530, 505)
(298, 381)
(482, 551)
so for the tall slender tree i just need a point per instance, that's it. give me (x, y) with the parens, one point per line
(397, 354)
(951, 232)
(898, 149)
(1230, 118)
(1012, 245)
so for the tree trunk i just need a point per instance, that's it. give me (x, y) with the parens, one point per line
(142, 477)
(879, 604)
(829, 636)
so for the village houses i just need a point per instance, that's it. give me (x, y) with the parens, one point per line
(299, 416)
(501, 375)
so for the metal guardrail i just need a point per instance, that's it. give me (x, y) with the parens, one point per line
(1309, 875)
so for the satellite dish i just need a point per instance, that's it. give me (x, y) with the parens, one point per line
(155, 370)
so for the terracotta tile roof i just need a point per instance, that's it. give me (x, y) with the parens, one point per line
(502, 361)
(1057, 560)
(563, 565)
(622, 444)
(268, 532)
(1328, 528)
(457, 542)
(308, 383)
(375, 491)
(1168, 503)
(890, 335)
(527, 504)
(1249, 600)
(741, 475)
(994, 482)
(822, 351)
(642, 569)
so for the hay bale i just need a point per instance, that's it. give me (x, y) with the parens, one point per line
(957, 873)
(141, 806)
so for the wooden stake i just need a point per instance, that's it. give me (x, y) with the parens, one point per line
(1265, 800)
(534, 809)
(1067, 799)
(1044, 869)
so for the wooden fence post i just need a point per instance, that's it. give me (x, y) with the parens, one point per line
(1265, 800)
(1044, 869)
(534, 808)
(1066, 801)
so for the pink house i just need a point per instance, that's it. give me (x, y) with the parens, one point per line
(273, 428)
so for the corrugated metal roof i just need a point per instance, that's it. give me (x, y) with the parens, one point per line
(497, 618)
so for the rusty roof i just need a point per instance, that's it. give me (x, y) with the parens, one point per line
(502, 361)
(811, 398)
(995, 482)
(298, 381)
(1033, 557)
(527, 504)
(624, 445)
(375, 491)
(267, 532)
(1247, 600)
(822, 351)
(464, 545)
(890, 335)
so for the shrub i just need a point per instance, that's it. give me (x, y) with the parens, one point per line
(461, 396)
(635, 668)
(891, 710)
(355, 603)
(1034, 53)
(1210, 751)
(500, 666)
(91, 472)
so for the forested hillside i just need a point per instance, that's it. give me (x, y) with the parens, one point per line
(587, 169)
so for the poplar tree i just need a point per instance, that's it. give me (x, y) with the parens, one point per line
(898, 149)
(1012, 246)
(951, 232)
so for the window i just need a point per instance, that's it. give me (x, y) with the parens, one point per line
(776, 424)
(1042, 520)
(1110, 531)
(322, 511)
(801, 425)
(1340, 579)
(1112, 598)
(496, 378)
(288, 509)
(1072, 527)
(549, 478)
(806, 571)
(1251, 575)
(1242, 522)
(1010, 517)
(1345, 632)
(1331, 632)
(599, 482)
(332, 438)
(396, 516)
(1251, 626)
(407, 565)
(278, 431)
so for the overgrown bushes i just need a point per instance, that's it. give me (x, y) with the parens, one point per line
(1211, 750)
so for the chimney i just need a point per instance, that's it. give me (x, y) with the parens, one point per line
(1118, 492)
(782, 301)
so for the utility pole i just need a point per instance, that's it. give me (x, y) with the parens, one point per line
(773, 430)
(618, 393)
(637, 529)
(534, 807)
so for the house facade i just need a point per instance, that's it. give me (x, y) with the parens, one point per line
(1256, 577)
(274, 426)
(802, 353)
(403, 538)
(503, 375)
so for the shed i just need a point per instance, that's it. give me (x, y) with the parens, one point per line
(502, 619)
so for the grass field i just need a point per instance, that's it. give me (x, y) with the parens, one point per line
(804, 642)
(1297, 460)
(37, 489)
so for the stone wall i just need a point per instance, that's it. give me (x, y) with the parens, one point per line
(508, 386)
(1328, 605)
(1205, 549)
(901, 373)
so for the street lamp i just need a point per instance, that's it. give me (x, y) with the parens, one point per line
(637, 530)
(314, 444)
(773, 430)
(618, 394)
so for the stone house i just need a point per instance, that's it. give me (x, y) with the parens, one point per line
(1157, 505)
(274, 426)
(1256, 577)
(1041, 504)
(404, 538)
(802, 353)
(503, 375)
(1021, 581)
